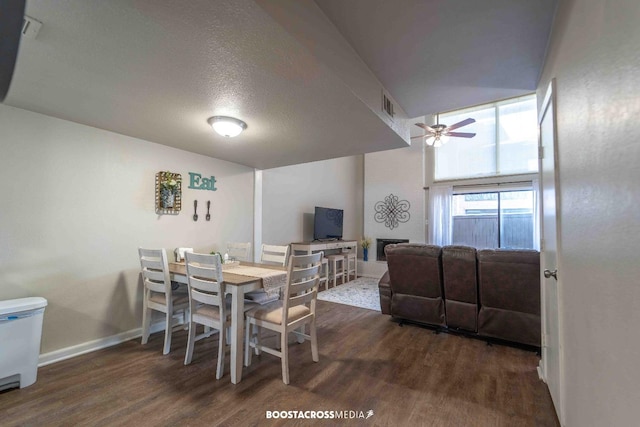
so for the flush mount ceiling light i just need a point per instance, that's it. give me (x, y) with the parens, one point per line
(227, 126)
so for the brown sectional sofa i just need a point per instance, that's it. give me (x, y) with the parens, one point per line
(493, 294)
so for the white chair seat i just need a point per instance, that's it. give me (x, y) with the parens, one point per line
(273, 312)
(211, 311)
(178, 299)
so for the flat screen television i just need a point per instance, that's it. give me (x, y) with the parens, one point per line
(327, 224)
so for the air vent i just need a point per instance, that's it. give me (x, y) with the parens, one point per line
(30, 27)
(387, 105)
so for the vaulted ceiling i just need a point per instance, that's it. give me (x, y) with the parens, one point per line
(439, 55)
(306, 76)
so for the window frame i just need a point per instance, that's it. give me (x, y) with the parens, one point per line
(495, 106)
(497, 188)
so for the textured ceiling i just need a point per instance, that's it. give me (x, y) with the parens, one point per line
(438, 55)
(157, 69)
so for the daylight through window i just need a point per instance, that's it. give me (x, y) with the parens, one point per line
(506, 141)
(500, 219)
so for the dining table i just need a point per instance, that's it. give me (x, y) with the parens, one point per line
(239, 278)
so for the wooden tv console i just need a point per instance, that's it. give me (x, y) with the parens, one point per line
(332, 245)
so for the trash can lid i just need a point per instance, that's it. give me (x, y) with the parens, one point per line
(21, 304)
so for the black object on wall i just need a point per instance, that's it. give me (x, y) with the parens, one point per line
(381, 243)
(392, 211)
(11, 20)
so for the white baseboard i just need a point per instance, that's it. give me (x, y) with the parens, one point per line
(540, 370)
(374, 269)
(89, 346)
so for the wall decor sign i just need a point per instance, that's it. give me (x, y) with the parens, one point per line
(168, 193)
(197, 182)
(392, 211)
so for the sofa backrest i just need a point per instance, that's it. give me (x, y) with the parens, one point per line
(510, 279)
(460, 273)
(459, 269)
(415, 269)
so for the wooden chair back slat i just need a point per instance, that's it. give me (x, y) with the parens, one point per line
(302, 278)
(239, 251)
(274, 254)
(155, 270)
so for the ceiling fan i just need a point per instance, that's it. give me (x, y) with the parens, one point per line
(438, 134)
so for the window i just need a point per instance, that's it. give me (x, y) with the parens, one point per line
(506, 141)
(498, 219)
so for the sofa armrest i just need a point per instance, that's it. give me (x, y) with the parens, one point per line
(384, 286)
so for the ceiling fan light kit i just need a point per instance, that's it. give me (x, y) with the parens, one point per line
(436, 140)
(227, 126)
(438, 135)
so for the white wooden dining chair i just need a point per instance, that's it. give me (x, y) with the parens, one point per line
(270, 254)
(207, 303)
(157, 294)
(274, 254)
(289, 315)
(239, 251)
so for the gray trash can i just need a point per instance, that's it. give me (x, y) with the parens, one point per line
(20, 334)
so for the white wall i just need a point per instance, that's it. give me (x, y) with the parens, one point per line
(291, 193)
(398, 172)
(594, 57)
(76, 204)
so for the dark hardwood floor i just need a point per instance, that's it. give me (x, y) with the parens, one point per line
(407, 375)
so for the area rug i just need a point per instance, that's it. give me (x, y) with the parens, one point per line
(361, 292)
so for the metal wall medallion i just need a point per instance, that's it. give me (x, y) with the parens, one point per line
(392, 211)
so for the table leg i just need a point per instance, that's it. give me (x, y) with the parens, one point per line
(237, 329)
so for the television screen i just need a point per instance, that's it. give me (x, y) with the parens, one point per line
(327, 224)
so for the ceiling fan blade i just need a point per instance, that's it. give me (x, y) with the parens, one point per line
(419, 136)
(460, 124)
(425, 127)
(461, 134)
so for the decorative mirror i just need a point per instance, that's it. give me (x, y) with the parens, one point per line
(168, 193)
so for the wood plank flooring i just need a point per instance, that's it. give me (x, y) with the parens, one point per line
(407, 375)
